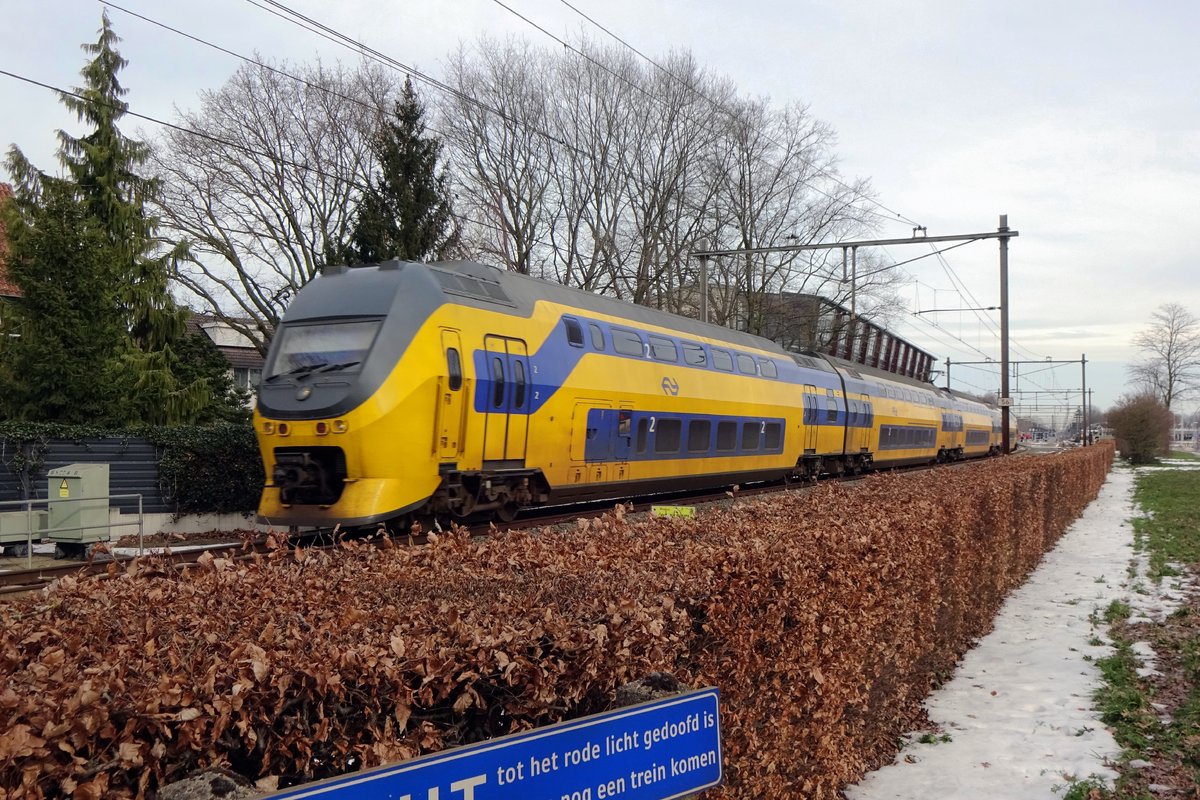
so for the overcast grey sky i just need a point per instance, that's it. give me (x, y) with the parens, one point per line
(1079, 120)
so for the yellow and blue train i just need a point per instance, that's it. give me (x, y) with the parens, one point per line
(404, 390)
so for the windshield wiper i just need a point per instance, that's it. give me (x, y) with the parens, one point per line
(336, 367)
(303, 370)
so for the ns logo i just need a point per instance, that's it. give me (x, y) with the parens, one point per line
(670, 386)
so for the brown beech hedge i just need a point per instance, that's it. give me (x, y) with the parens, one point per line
(824, 616)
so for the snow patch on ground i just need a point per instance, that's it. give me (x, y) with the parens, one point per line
(1172, 463)
(1019, 707)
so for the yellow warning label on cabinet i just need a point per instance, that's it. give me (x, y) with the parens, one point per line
(63, 491)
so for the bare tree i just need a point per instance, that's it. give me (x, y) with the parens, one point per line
(595, 95)
(1170, 366)
(780, 186)
(495, 127)
(264, 192)
(667, 182)
(597, 170)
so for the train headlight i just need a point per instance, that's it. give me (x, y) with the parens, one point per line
(322, 428)
(268, 428)
(284, 429)
(340, 426)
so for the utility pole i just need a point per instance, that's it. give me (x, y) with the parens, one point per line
(1089, 402)
(1083, 374)
(1003, 233)
(1005, 400)
(947, 373)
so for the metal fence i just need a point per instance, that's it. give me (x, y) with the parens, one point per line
(29, 505)
(133, 470)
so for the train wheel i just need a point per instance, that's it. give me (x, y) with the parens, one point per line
(508, 511)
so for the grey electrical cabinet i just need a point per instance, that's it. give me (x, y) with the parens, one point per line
(15, 529)
(77, 496)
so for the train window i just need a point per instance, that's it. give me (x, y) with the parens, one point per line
(831, 410)
(663, 349)
(771, 436)
(694, 354)
(750, 435)
(626, 342)
(311, 346)
(643, 434)
(852, 416)
(769, 370)
(518, 384)
(497, 383)
(722, 360)
(574, 332)
(699, 435)
(746, 364)
(667, 435)
(727, 436)
(597, 337)
(624, 423)
(454, 368)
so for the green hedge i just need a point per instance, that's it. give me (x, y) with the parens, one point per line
(204, 469)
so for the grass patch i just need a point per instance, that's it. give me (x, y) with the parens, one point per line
(1167, 736)
(1184, 455)
(1172, 534)
(935, 738)
(1091, 788)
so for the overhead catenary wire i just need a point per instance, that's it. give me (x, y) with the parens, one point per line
(287, 14)
(256, 62)
(722, 108)
(329, 33)
(125, 109)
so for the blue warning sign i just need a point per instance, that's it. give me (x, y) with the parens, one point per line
(654, 751)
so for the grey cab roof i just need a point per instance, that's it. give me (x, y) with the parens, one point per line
(372, 292)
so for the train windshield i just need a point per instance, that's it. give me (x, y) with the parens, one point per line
(325, 346)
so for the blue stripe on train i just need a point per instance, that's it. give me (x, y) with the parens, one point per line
(615, 434)
(547, 369)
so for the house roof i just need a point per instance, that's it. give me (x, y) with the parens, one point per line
(242, 354)
(7, 287)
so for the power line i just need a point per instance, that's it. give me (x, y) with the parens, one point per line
(720, 107)
(342, 40)
(281, 159)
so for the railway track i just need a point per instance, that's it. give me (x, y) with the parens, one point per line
(19, 582)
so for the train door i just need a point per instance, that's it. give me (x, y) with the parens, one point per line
(592, 429)
(585, 430)
(622, 442)
(862, 434)
(812, 418)
(450, 398)
(506, 421)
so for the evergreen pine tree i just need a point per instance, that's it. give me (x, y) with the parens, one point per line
(407, 211)
(102, 174)
(64, 338)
